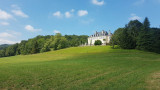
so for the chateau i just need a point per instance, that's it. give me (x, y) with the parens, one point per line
(104, 36)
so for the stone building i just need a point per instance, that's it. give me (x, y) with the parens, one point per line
(104, 36)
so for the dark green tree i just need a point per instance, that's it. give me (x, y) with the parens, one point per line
(146, 24)
(116, 37)
(98, 42)
(145, 39)
(125, 40)
(34, 47)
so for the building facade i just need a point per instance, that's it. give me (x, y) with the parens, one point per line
(103, 36)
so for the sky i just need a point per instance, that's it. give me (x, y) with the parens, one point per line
(24, 19)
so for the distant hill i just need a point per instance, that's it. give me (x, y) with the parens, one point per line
(4, 46)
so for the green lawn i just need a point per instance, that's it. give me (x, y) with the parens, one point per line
(98, 67)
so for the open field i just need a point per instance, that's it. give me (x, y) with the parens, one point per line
(98, 67)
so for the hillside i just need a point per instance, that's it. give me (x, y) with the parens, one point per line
(97, 67)
(4, 46)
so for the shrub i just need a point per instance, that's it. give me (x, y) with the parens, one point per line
(98, 42)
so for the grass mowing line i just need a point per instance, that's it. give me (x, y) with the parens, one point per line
(79, 68)
(68, 53)
(88, 76)
(153, 81)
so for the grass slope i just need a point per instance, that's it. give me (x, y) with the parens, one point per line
(97, 67)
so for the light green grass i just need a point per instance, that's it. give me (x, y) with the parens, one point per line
(98, 67)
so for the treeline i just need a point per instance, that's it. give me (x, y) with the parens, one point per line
(4, 46)
(137, 35)
(41, 44)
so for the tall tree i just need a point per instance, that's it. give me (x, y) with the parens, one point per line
(146, 24)
(34, 47)
(146, 37)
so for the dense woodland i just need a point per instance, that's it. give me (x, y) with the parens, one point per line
(4, 46)
(137, 35)
(41, 44)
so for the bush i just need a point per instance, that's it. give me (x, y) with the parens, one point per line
(98, 42)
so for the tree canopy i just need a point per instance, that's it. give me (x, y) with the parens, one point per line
(42, 44)
(137, 35)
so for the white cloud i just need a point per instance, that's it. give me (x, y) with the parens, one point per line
(68, 15)
(4, 23)
(4, 15)
(20, 13)
(5, 35)
(82, 12)
(31, 28)
(134, 17)
(72, 10)
(56, 31)
(5, 41)
(57, 14)
(9, 37)
(139, 2)
(97, 2)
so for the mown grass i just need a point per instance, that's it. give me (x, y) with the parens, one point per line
(98, 67)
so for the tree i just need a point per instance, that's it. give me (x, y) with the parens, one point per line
(11, 50)
(98, 42)
(22, 46)
(62, 43)
(133, 29)
(145, 39)
(156, 40)
(34, 47)
(115, 39)
(56, 41)
(125, 40)
(45, 47)
(2, 52)
(146, 24)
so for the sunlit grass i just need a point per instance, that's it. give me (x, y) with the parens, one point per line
(98, 67)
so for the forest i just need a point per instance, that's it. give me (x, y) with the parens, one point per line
(42, 44)
(137, 35)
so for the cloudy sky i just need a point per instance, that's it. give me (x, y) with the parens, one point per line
(24, 19)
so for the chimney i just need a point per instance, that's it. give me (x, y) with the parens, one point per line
(109, 33)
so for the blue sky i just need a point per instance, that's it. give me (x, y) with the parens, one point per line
(24, 19)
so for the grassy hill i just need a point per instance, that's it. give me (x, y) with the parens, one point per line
(98, 67)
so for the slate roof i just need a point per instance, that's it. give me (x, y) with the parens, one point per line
(102, 33)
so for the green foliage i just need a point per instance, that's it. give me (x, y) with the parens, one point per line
(59, 42)
(116, 37)
(62, 43)
(145, 40)
(146, 24)
(43, 44)
(125, 40)
(45, 47)
(4, 46)
(11, 50)
(137, 36)
(34, 47)
(98, 42)
(75, 40)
